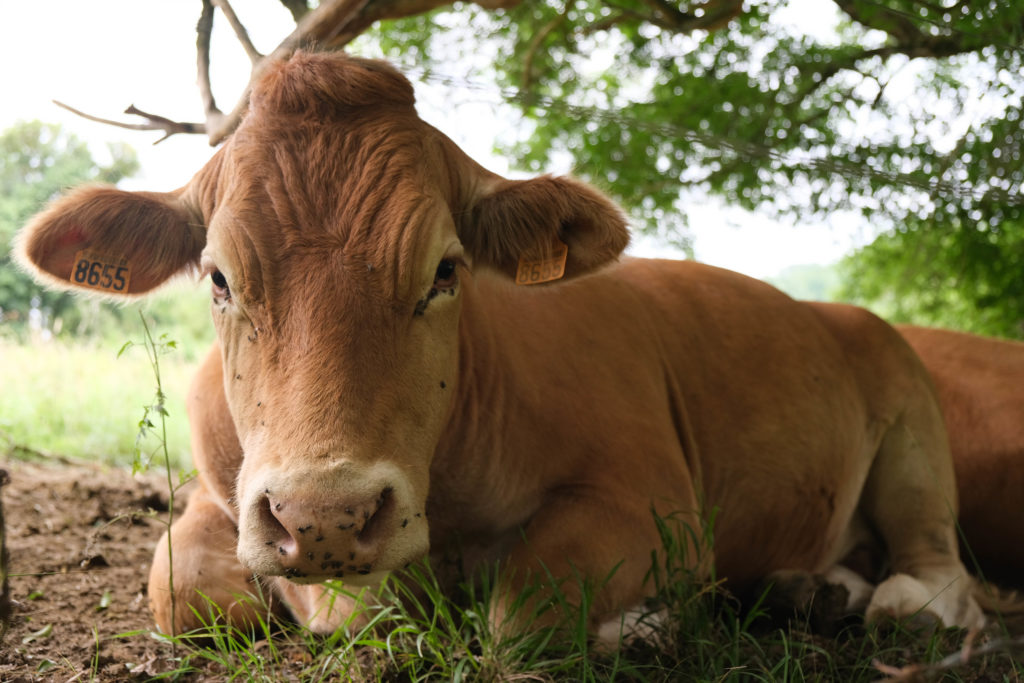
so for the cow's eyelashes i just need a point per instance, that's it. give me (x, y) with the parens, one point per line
(220, 285)
(445, 276)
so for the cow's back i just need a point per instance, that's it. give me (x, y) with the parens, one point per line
(978, 381)
(679, 350)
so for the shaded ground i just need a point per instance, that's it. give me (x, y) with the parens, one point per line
(81, 542)
(80, 549)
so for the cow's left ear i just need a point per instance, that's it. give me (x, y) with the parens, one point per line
(515, 222)
(109, 241)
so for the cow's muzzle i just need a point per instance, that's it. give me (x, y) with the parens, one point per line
(331, 525)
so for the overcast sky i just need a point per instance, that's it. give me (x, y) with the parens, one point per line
(103, 56)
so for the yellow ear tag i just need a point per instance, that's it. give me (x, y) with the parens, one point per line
(97, 271)
(534, 271)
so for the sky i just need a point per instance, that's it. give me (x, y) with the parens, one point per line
(101, 57)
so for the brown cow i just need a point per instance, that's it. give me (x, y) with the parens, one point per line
(978, 381)
(380, 368)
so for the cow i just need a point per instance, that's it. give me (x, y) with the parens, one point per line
(393, 380)
(978, 380)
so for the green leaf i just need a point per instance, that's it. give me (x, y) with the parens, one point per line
(46, 665)
(41, 634)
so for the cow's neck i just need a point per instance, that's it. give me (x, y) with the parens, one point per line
(471, 466)
(485, 386)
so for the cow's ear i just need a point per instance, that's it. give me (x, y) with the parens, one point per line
(110, 241)
(522, 222)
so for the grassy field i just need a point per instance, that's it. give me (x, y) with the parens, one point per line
(83, 401)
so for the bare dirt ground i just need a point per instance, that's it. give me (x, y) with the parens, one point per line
(80, 547)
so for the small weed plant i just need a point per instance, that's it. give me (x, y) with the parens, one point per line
(149, 431)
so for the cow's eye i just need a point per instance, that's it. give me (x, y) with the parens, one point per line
(445, 276)
(220, 285)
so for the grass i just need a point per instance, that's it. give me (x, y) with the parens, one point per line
(82, 401)
(417, 632)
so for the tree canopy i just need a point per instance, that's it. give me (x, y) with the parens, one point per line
(37, 162)
(905, 111)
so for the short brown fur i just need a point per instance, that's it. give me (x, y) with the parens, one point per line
(979, 381)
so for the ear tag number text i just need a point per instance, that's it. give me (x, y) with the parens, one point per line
(533, 271)
(98, 271)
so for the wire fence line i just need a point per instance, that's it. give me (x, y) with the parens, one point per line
(796, 160)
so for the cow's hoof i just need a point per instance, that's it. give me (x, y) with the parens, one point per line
(903, 602)
(805, 597)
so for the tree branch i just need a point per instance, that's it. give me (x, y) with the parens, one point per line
(332, 25)
(204, 29)
(710, 16)
(907, 38)
(298, 8)
(239, 29)
(879, 17)
(168, 126)
(315, 27)
(535, 45)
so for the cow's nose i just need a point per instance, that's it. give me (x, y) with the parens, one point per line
(317, 539)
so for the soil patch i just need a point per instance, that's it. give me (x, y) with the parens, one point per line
(80, 539)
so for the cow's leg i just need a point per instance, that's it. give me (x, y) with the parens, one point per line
(208, 579)
(212, 586)
(600, 536)
(910, 498)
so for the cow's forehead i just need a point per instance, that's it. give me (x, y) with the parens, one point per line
(333, 169)
(363, 201)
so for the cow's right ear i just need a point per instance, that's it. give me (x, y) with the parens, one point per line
(138, 239)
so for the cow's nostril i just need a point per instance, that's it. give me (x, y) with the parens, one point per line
(378, 518)
(277, 534)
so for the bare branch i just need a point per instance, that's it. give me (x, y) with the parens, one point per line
(204, 28)
(331, 26)
(155, 122)
(315, 27)
(239, 29)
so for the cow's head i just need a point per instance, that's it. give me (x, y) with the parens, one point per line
(339, 232)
